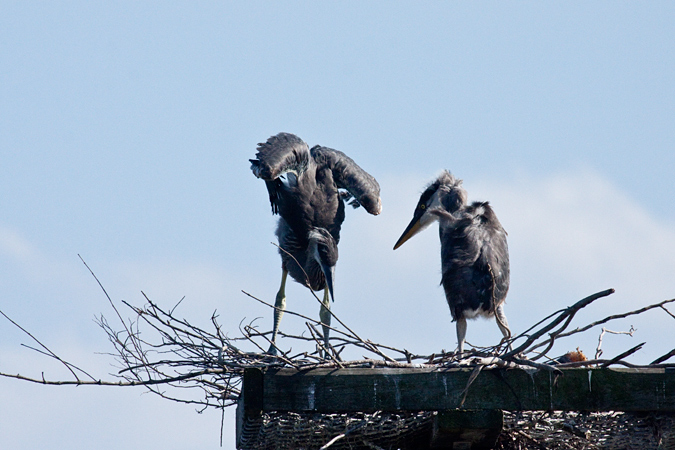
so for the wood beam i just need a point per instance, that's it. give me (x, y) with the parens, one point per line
(430, 389)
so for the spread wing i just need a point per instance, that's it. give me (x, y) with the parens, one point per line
(283, 153)
(349, 176)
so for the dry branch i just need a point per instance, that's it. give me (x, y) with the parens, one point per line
(186, 363)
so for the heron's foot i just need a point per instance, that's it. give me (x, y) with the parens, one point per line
(324, 353)
(272, 350)
(460, 352)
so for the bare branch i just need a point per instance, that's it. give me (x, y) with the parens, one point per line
(665, 357)
(50, 353)
(565, 314)
(598, 351)
(186, 363)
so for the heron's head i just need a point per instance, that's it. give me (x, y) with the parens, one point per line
(445, 193)
(325, 251)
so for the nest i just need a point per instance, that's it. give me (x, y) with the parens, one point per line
(189, 358)
(572, 430)
(273, 431)
(522, 431)
(189, 364)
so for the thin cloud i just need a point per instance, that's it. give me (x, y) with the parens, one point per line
(16, 248)
(581, 227)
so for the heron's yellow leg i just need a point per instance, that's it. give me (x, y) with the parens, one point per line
(280, 306)
(503, 324)
(324, 315)
(461, 334)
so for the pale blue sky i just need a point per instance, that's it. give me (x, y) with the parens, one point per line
(125, 134)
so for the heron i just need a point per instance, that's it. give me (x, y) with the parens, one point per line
(308, 189)
(474, 253)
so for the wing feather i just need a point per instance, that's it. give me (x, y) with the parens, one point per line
(281, 154)
(349, 176)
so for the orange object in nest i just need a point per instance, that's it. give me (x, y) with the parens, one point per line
(573, 356)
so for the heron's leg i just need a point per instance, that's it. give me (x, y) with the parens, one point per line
(503, 324)
(324, 315)
(461, 334)
(280, 304)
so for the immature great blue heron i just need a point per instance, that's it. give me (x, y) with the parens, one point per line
(311, 210)
(474, 253)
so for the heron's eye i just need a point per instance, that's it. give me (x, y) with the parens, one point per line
(422, 206)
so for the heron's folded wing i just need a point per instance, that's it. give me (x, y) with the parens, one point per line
(349, 176)
(494, 255)
(282, 153)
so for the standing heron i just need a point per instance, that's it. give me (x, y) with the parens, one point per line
(304, 189)
(474, 253)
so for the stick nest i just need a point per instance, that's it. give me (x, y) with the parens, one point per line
(190, 359)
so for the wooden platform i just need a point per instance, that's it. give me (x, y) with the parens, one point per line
(368, 390)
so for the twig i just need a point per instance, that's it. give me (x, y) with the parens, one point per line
(351, 430)
(666, 310)
(150, 382)
(134, 342)
(369, 344)
(531, 439)
(296, 314)
(623, 355)
(665, 357)
(598, 351)
(613, 317)
(570, 311)
(178, 355)
(48, 352)
(474, 374)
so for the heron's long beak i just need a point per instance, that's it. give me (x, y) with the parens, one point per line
(414, 227)
(329, 273)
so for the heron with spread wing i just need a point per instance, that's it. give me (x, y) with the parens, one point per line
(474, 252)
(308, 189)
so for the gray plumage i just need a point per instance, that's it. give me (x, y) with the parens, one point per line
(308, 189)
(474, 252)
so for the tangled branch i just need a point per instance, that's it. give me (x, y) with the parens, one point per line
(186, 363)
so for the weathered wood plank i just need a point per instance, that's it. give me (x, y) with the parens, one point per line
(369, 390)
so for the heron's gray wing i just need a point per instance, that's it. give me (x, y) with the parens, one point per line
(349, 176)
(494, 254)
(282, 153)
